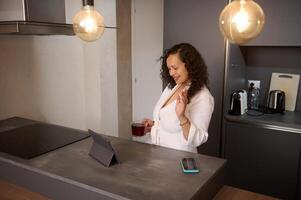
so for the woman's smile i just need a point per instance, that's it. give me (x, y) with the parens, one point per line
(177, 69)
(176, 78)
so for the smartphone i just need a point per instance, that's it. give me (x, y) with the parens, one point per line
(189, 166)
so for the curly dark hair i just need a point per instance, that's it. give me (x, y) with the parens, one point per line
(194, 63)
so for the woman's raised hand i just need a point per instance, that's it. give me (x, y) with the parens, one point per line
(182, 101)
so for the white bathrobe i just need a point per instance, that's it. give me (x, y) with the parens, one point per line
(167, 131)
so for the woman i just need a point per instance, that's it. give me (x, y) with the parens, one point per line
(183, 112)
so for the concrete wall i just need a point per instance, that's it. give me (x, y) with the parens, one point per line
(61, 79)
(124, 67)
(39, 80)
(65, 81)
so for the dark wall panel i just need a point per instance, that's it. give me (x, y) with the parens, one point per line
(196, 22)
(282, 26)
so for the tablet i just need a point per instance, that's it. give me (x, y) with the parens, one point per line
(102, 150)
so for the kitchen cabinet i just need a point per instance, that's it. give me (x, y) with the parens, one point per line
(262, 160)
(262, 61)
(282, 26)
(299, 182)
(258, 63)
(264, 152)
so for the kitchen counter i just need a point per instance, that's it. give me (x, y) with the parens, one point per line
(289, 122)
(146, 172)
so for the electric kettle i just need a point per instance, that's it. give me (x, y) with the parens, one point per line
(276, 101)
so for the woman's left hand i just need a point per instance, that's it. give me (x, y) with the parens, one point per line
(181, 103)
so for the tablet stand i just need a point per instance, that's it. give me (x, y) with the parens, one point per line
(102, 150)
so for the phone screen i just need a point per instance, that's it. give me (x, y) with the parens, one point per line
(189, 165)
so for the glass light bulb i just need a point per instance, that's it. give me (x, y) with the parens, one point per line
(241, 21)
(88, 24)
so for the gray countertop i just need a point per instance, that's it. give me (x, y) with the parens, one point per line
(290, 121)
(146, 171)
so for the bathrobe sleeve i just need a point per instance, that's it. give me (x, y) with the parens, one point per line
(199, 112)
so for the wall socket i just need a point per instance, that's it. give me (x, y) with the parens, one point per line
(256, 83)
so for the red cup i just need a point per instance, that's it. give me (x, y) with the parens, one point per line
(138, 129)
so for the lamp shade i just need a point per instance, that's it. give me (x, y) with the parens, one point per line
(241, 21)
(88, 24)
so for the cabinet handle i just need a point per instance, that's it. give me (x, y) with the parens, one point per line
(285, 76)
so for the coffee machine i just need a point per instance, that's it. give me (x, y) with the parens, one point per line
(238, 103)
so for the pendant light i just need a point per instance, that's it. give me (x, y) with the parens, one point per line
(88, 24)
(241, 21)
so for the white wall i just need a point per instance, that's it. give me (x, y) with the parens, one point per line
(61, 79)
(147, 47)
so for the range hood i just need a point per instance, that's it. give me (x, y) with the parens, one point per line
(34, 17)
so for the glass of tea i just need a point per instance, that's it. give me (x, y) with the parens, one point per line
(138, 129)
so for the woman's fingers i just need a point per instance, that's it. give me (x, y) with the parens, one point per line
(179, 98)
(185, 93)
(148, 122)
(145, 122)
(181, 102)
(183, 96)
